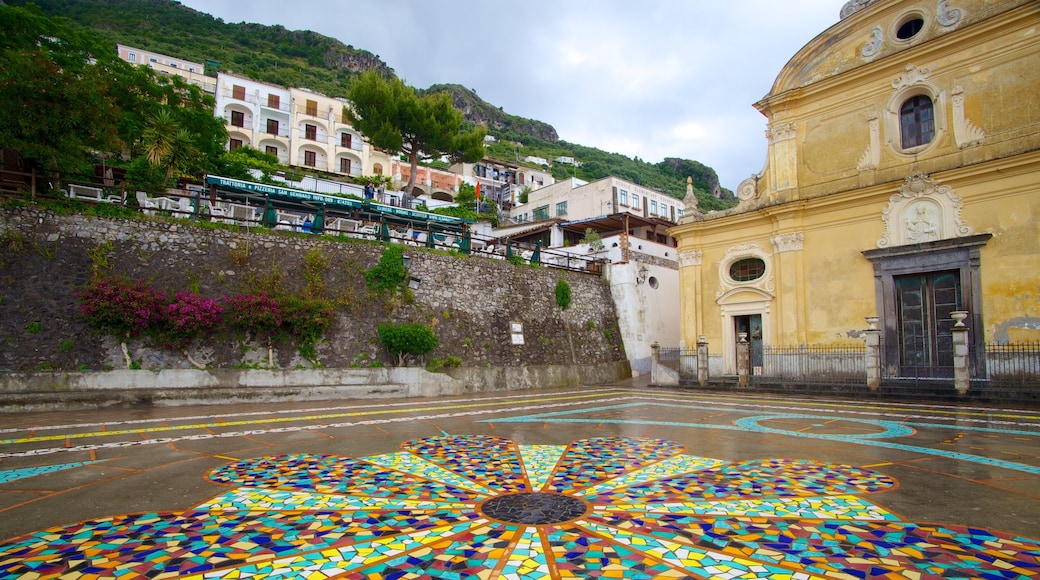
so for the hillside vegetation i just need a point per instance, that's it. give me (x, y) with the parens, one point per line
(295, 58)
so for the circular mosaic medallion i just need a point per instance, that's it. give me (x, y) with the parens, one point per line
(534, 509)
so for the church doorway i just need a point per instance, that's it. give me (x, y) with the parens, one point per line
(923, 306)
(751, 326)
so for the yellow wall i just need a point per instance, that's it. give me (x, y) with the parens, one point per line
(835, 166)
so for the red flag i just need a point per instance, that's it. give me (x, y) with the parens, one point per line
(478, 190)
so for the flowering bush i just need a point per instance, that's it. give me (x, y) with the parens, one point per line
(188, 316)
(260, 315)
(122, 308)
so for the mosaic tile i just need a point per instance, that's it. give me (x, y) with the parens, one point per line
(539, 462)
(418, 466)
(846, 507)
(16, 474)
(760, 478)
(829, 547)
(486, 507)
(495, 461)
(260, 499)
(671, 467)
(589, 462)
(705, 563)
(327, 474)
(527, 560)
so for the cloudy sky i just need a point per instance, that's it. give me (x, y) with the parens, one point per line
(653, 79)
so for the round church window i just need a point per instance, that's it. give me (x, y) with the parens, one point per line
(910, 28)
(747, 269)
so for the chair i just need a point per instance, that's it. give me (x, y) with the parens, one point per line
(149, 205)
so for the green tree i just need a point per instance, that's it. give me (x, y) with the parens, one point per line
(57, 102)
(394, 117)
(402, 339)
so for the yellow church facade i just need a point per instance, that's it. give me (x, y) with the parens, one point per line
(902, 183)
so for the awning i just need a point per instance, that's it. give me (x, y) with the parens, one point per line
(332, 202)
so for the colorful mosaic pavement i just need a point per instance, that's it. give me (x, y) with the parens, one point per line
(487, 507)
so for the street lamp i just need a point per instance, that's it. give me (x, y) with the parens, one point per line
(641, 276)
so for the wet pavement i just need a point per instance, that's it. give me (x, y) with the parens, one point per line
(618, 481)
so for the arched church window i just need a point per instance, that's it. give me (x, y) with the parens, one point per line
(916, 121)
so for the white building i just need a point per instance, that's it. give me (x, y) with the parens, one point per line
(256, 114)
(641, 261)
(193, 72)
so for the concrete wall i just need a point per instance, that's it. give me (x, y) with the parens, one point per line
(46, 391)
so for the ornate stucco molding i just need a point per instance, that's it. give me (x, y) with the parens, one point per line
(791, 242)
(911, 76)
(689, 258)
(872, 156)
(748, 189)
(873, 45)
(780, 132)
(853, 6)
(922, 211)
(738, 252)
(965, 133)
(947, 16)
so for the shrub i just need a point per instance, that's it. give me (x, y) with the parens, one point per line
(188, 316)
(402, 339)
(306, 320)
(260, 315)
(448, 362)
(563, 294)
(389, 273)
(121, 308)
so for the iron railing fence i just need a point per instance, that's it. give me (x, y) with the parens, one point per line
(811, 363)
(249, 210)
(682, 360)
(1013, 364)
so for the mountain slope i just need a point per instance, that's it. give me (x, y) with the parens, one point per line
(295, 58)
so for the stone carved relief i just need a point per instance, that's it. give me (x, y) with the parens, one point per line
(965, 133)
(872, 156)
(781, 132)
(689, 258)
(853, 6)
(873, 45)
(922, 211)
(911, 76)
(945, 15)
(763, 284)
(791, 242)
(748, 189)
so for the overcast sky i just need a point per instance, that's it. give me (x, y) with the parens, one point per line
(653, 79)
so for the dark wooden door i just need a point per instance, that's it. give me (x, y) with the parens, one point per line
(924, 303)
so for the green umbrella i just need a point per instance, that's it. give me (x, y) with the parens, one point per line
(429, 238)
(509, 248)
(319, 220)
(270, 217)
(537, 252)
(384, 232)
(464, 246)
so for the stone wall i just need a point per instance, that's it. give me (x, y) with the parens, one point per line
(469, 301)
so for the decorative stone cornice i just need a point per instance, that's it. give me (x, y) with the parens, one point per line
(780, 132)
(911, 76)
(947, 16)
(689, 258)
(853, 6)
(791, 242)
(964, 131)
(923, 211)
(873, 45)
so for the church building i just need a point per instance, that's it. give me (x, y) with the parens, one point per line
(901, 183)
